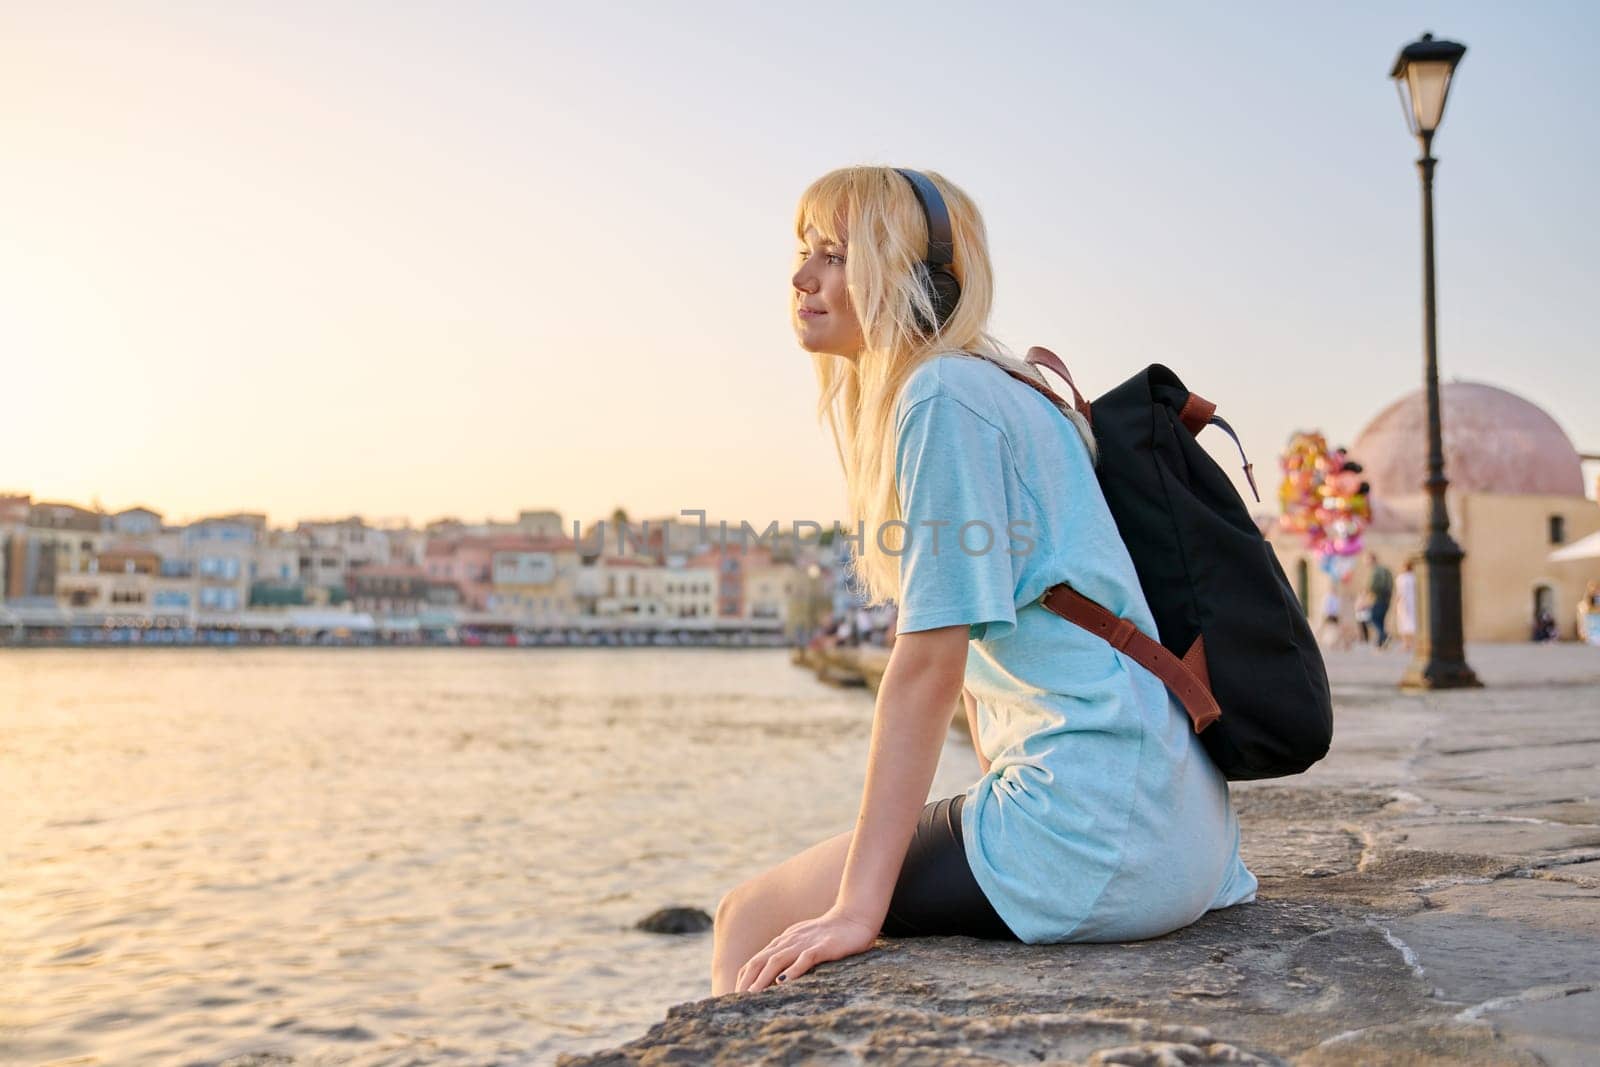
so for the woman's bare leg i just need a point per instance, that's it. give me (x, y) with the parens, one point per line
(756, 911)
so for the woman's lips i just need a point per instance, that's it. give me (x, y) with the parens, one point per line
(807, 313)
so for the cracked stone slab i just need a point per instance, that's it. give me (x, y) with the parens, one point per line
(1256, 983)
(1567, 1025)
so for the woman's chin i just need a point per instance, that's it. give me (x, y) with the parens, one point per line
(811, 342)
(820, 344)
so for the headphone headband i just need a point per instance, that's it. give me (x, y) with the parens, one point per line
(941, 241)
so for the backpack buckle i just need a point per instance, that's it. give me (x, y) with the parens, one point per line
(1122, 632)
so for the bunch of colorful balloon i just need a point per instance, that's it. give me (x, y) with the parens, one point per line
(1324, 498)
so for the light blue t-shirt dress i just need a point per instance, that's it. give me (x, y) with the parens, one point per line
(1101, 817)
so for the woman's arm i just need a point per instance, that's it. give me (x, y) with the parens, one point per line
(971, 703)
(909, 726)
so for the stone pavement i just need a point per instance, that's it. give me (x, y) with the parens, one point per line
(1430, 893)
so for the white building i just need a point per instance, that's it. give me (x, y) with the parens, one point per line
(329, 549)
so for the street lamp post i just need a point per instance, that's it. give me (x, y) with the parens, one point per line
(1422, 72)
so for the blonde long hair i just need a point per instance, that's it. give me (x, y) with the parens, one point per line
(875, 214)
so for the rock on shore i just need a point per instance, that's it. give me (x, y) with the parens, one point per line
(1430, 894)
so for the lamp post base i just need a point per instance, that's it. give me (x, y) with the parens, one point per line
(1441, 658)
(1440, 674)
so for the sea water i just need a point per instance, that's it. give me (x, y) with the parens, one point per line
(384, 856)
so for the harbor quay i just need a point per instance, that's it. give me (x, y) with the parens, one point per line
(1430, 893)
(59, 629)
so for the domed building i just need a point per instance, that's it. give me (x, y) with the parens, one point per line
(1516, 494)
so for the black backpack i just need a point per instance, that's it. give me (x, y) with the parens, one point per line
(1236, 647)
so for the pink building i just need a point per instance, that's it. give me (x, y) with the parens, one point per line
(469, 562)
(731, 563)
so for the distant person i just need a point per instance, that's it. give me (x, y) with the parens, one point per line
(1364, 617)
(1405, 611)
(1544, 625)
(1101, 816)
(880, 624)
(1380, 587)
(1331, 633)
(1589, 614)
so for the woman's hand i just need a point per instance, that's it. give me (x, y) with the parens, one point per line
(832, 935)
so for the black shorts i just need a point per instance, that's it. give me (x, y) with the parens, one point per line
(936, 894)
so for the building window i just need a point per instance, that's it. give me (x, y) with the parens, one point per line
(1558, 529)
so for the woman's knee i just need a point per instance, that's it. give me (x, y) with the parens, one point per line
(730, 901)
(801, 887)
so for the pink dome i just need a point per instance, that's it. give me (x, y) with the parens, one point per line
(1494, 442)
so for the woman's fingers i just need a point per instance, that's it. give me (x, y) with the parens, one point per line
(790, 964)
(754, 966)
(750, 974)
(776, 964)
(784, 943)
(802, 963)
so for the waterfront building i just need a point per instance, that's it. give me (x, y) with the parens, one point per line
(769, 585)
(688, 591)
(620, 586)
(407, 544)
(392, 590)
(135, 522)
(275, 580)
(469, 562)
(42, 540)
(13, 521)
(219, 551)
(329, 549)
(543, 525)
(129, 583)
(1516, 494)
(534, 579)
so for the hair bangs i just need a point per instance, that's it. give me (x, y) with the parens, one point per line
(828, 204)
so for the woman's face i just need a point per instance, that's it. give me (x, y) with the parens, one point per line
(824, 321)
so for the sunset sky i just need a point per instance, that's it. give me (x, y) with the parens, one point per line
(417, 261)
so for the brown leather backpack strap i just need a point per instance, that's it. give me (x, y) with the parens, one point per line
(1177, 675)
(1032, 383)
(1043, 356)
(1038, 386)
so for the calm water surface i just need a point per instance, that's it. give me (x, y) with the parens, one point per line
(387, 856)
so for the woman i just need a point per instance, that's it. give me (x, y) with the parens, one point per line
(1099, 816)
(1405, 613)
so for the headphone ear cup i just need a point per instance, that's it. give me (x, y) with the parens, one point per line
(943, 289)
(926, 284)
(946, 293)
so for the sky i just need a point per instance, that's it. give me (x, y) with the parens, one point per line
(411, 261)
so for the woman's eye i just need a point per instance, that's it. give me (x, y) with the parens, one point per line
(832, 256)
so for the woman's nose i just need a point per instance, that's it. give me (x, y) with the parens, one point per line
(804, 282)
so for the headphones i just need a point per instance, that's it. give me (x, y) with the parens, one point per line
(934, 268)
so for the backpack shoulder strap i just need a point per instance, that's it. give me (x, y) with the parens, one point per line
(1039, 356)
(1078, 402)
(1187, 678)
